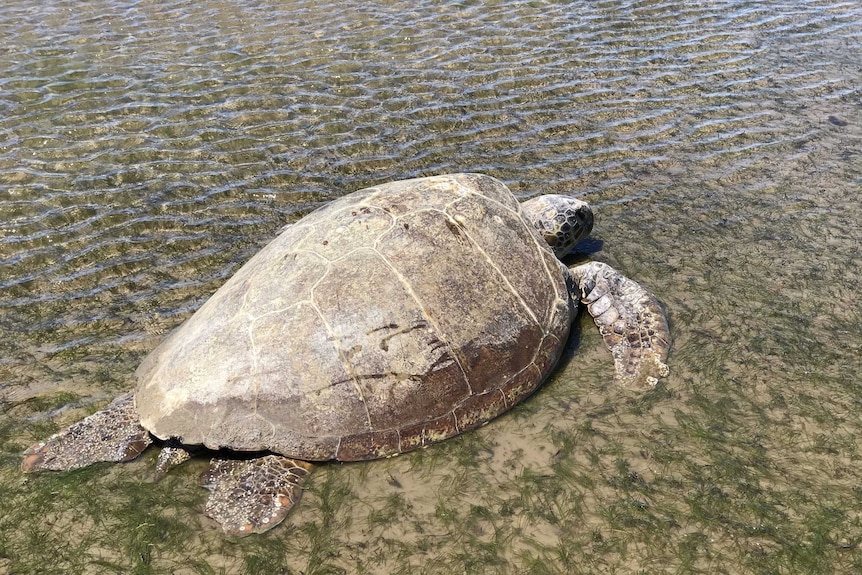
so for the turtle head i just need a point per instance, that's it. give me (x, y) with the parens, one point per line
(562, 220)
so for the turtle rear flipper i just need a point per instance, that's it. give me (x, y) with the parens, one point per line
(253, 495)
(112, 434)
(631, 321)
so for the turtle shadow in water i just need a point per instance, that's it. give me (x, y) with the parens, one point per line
(572, 345)
(583, 248)
(579, 254)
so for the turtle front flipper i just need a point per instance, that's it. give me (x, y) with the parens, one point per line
(253, 495)
(631, 321)
(112, 434)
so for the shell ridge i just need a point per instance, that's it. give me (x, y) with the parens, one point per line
(538, 241)
(496, 269)
(544, 249)
(439, 333)
(342, 357)
(254, 320)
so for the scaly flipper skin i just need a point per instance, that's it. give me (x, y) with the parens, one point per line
(171, 455)
(112, 434)
(631, 321)
(253, 495)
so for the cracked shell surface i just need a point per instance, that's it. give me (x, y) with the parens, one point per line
(389, 319)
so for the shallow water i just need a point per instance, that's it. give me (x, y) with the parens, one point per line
(148, 148)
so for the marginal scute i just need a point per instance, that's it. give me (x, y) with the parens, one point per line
(480, 408)
(370, 445)
(523, 384)
(428, 432)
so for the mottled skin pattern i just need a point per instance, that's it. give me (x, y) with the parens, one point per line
(631, 321)
(253, 495)
(173, 453)
(112, 434)
(390, 319)
(562, 221)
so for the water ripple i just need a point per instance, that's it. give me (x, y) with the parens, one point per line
(147, 149)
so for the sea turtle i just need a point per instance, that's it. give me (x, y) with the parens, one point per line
(389, 319)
